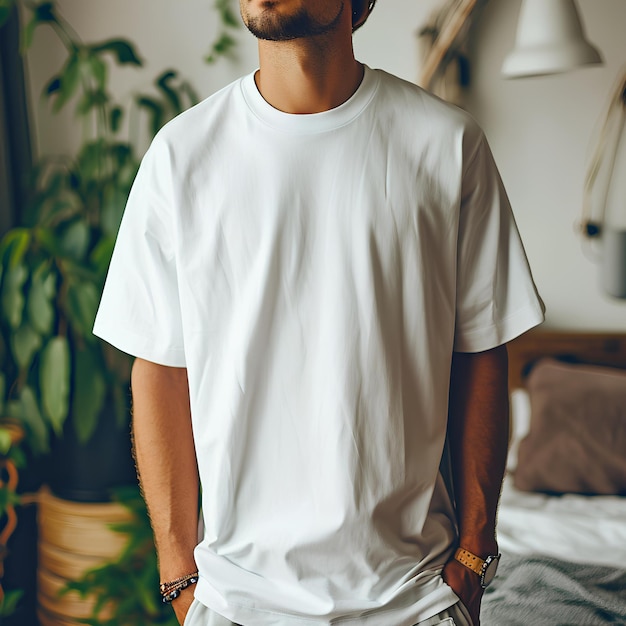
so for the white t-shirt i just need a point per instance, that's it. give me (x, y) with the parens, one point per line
(314, 274)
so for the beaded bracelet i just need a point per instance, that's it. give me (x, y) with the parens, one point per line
(171, 590)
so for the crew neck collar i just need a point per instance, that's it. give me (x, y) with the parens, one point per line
(312, 122)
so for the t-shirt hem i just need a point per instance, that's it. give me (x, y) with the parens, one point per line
(139, 346)
(501, 331)
(440, 599)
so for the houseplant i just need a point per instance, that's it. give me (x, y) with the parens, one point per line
(61, 384)
(52, 267)
(129, 582)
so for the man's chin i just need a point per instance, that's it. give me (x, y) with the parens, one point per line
(275, 28)
(273, 24)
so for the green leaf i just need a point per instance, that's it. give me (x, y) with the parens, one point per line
(27, 35)
(14, 409)
(74, 270)
(74, 180)
(98, 70)
(123, 155)
(81, 306)
(50, 285)
(223, 46)
(54, 382)
(113, 205)
(91, 99)
(227, 14)
(122, 49)
(4, 501)
(3, 391)
(10, 602)
(5, 441)
(102, 253)
(25, 342)
(12, 295)
(70, 80)
(15, 244)
(48, 241)
(6, 6)
(163, 84)
(154, 110)
(18, 457)
(115, 121)
(75, 240)
(53, 86)
(191, 93)
(54, 184)
(90, 160)
(27, 411)
(38, 304)
(44, 12)
(89, 393)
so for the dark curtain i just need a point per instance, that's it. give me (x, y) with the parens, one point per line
(15, 147)
(15, 166)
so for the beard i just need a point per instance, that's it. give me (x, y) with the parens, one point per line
(271, 26)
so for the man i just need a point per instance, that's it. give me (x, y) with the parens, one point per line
(311, 263)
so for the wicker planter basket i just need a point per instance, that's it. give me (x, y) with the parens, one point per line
(73, 538)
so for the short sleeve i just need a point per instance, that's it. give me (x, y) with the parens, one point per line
(496, 297)
(139, 311)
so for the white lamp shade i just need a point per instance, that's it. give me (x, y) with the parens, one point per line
(550, 39)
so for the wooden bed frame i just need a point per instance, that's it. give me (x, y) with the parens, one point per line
(602, 348)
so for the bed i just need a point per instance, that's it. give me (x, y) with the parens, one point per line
(562, 516)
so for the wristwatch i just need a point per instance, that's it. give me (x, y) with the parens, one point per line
(485, 568)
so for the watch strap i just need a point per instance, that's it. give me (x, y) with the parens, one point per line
(471, 561)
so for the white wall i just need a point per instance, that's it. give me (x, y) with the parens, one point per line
(541, 132)
(540, 128)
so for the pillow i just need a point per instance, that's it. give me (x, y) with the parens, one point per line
(577, 437)
(520, 424)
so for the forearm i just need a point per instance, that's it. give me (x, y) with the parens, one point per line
(478, 437)
(166, 463)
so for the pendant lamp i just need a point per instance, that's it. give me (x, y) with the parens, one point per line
(550, 39)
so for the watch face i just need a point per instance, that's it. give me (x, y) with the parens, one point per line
(491, 566)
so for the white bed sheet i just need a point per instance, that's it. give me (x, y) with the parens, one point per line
(582, 529)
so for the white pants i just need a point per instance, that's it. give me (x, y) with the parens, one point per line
(200, 615)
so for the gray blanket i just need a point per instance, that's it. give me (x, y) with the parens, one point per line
(539, 591)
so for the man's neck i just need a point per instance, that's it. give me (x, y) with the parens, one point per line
(308, 75)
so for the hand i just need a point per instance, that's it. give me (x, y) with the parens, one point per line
(466, 585)
(182, 603)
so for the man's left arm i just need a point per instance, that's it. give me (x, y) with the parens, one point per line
(478, 431)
